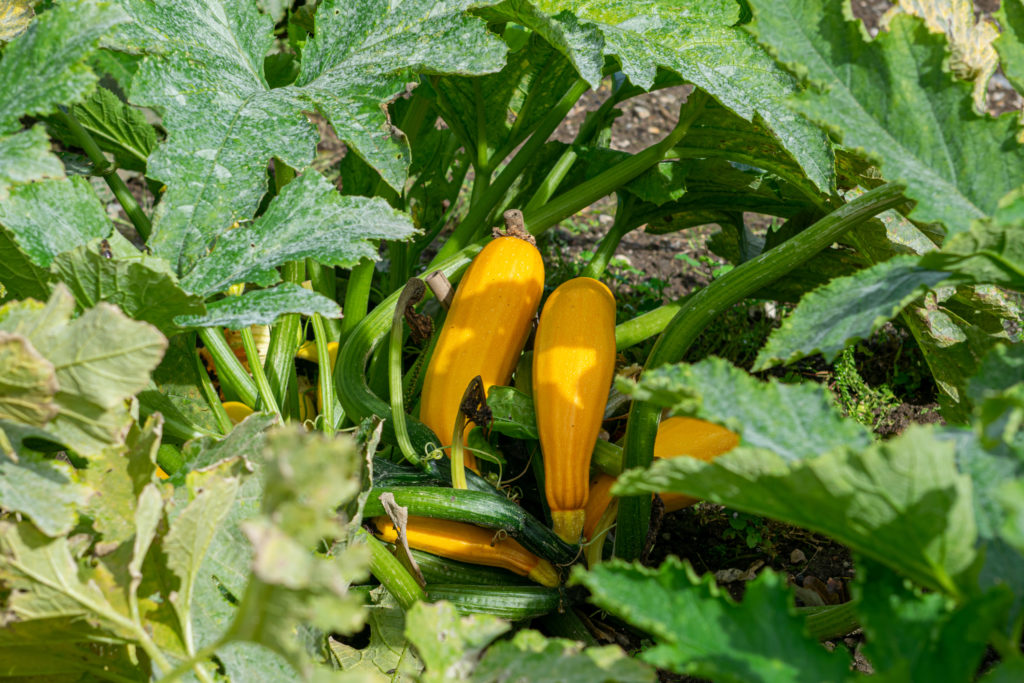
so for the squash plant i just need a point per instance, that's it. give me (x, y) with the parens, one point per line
(160, 185)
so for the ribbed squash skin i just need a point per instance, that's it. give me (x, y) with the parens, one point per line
(469, 543)
(485, 330)
(676, 436)
(573, 366)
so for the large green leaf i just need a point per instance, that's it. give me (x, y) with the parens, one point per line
(101, 358)
(261, 307)
(699, 40)
(362, 53)
(847, 309)
(902, 502)
(25, 157)
(115, 126)
(893, 98)
(914, 636)
(53, 216)
(794, 421)
(204, 71)
(699, 632)
(530, 656)
(309, 219)
(388, 656)
(174, 390)
(43, 67)
(142, 286)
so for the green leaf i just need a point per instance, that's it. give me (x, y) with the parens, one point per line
(1010, 43)
(893, 98)
(532, 657)
(18, 275)
(1007, 671)
(115, 126)
(449, 644)
(991, 251)
(847, 309)
(203, 71)
(995, 392)
(247, 439)
(26, 157)
(45, 582)
(794, 421)
(917, 636)
(142, 286)
(361, 55)
(15, 17)
(102, 358)
(701, 633)
(43, 67)
(902, 502)
(309, 219)
(28, 383)
(513, 412)
(261, 307)
(47, 491)
(53, 216)
(699, 40)
(387, 657)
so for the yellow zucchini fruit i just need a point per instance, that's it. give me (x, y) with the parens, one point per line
(484, 332)
(237, 411)
(676, 436)
(573, 366)
(469, 543)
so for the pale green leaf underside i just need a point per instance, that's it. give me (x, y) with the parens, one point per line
(261, 307)
(45, 491)
(50, 217)
(893, 98)
(795, 421)
(44, 66)
(700, 632)
(26, 157)
(101, 359)
(845, 310)
(28, 383)
(901, 502)
(309, 219)
(698, 40)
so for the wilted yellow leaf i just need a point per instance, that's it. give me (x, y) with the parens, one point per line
(973, 57)
(15, 16)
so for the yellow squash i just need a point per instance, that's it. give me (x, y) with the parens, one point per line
(676, 436)
(469, 543)
(484, 331)
(573, 366)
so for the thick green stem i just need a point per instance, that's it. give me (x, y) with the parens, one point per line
(230, 370)
(109, 172)
(482, 206)
(324, 282)
(284, 339)
(325, 375)
(610, 242)
(357, 296)
(703, 307)
(646, 325)
(266, 394)
(390, 572)
(586, 193)
(210, 394)
(412, 292)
